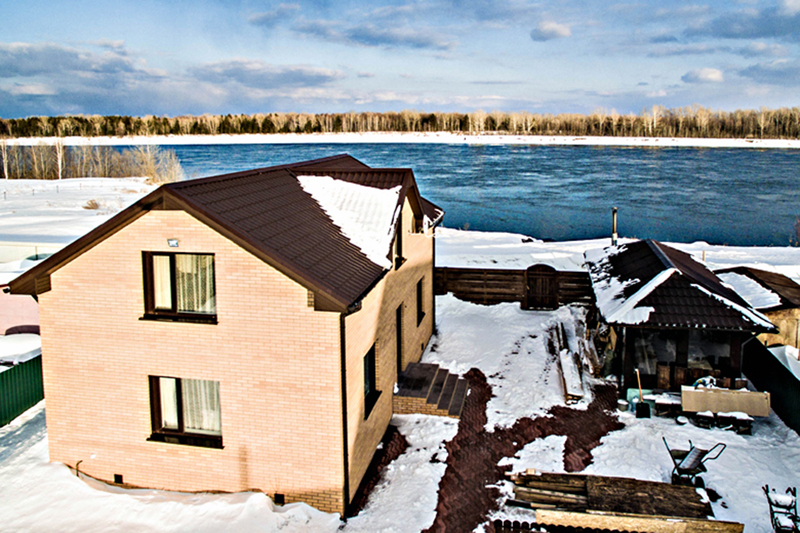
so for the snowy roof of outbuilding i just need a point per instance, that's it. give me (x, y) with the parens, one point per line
(647, 283)
(16, 349)
(766, 291)
(328, 223)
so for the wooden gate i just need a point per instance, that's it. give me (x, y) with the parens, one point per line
(541, 283)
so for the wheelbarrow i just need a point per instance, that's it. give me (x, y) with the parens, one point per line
(689, 464)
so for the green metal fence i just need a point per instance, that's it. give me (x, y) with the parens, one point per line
(20, 389)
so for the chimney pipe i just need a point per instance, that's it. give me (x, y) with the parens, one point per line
(613, 226)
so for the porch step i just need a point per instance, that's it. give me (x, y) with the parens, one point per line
(426, 388)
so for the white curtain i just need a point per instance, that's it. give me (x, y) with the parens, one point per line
(162, 288)
(195, 283)
(169, 403)
(201, 413)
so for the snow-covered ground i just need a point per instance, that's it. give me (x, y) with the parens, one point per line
(400, 137)
(460, 248)
(505, 342)
(39, 217)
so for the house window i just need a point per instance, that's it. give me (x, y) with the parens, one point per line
(179, 287)
(371, 392)
(420, 310)
(398, 243)
(185, 411)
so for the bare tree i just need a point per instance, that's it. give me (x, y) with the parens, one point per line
(59, 148)
(4, 155)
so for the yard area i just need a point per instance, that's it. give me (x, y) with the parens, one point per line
(508, 346)
(517, 402)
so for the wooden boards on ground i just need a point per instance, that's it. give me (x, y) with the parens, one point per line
(622, 504)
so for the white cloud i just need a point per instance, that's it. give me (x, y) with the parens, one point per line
(548, 30)
(763, 49)
(790, 7)
(30, 89)
(703, 75)
(661, 93)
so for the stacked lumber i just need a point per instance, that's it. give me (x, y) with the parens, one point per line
(537, 490)
(612, 503)
(565, 346)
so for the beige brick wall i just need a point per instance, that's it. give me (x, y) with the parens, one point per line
(277, 361)
(375, 323)
(788, 322)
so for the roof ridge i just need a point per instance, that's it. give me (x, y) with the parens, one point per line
(655, 246)
(289, 167)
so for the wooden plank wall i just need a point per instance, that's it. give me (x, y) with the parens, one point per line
(492, 286)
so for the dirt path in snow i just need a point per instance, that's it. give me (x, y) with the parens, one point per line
(465, 498)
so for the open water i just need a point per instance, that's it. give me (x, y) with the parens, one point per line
(721, 196)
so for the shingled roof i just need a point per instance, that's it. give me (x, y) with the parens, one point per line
(784, 288)
(647, 283)
(267, 212)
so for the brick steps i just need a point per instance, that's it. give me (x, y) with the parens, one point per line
(425, 388)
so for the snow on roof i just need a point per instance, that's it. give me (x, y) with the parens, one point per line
(16, 349)
(365, 215)
(609, 290)
(750, 314)
(788, 356)
(752, 291)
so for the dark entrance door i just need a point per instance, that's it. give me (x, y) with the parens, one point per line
(541, 283)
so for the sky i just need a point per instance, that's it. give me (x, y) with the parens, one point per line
(246, 56)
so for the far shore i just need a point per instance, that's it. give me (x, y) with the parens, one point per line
(415, 138)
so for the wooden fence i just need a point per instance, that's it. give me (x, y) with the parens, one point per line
(20, 389)
(538, 287)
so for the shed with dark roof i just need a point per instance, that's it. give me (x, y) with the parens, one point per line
(676, 318)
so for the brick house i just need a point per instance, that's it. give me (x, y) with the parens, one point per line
(239, 332)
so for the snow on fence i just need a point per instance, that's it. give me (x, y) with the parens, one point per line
(491, 286)
(20, 389)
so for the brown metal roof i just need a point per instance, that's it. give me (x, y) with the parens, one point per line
(683, 300)
(783, 286)
(268, 213)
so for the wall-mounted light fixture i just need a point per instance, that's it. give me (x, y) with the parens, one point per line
(173, 243)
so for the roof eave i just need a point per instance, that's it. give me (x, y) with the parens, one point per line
(25, 283)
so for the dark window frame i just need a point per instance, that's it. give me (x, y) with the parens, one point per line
(420, 301)
(172, 315)
(371, 392)
(398, 243)
(175, 436)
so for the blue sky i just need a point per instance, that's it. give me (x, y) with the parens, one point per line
(565, 56)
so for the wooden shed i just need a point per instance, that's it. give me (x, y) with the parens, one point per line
(674, 320)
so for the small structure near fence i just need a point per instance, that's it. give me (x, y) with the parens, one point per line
(537, 287)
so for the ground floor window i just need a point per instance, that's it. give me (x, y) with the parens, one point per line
(420, 307)
(371, 392)
(185, 411)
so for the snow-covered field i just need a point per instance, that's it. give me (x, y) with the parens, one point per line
(400, 137)
(40, 217)
(505, 342)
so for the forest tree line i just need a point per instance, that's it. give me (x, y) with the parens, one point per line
(58, 161)
(694, 121)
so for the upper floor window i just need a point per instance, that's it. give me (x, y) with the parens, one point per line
(398, 243)
(179, 286)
